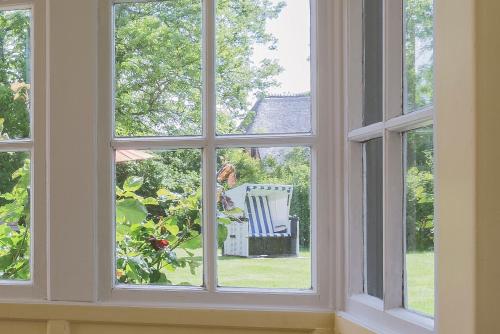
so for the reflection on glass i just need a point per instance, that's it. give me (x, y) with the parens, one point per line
(263, 67)
(418, 54)
(158, 217)
(372, 61)
(15, 218)
(15, 74)
(373, 217)
(158, 84)
(419, 193)
(264, 219)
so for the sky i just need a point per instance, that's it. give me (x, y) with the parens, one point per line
(292, 28)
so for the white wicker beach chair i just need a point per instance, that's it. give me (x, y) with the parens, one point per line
(265, 227)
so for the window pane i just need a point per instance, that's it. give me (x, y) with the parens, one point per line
(419, 180)
(373, 218)
(419, 53)
(372, 61)
(158, 217)
(15, 74)
(264, 217)
(15, 218)
(263, 67)
(158, 85)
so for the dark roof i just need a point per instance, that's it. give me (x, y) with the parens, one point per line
(281, 114)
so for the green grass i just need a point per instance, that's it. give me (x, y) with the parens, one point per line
(284, 272)
(420, 282)
(295, 273)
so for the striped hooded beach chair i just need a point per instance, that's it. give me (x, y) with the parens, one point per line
(265, 227)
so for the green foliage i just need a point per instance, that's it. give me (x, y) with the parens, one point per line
(14, 88)
(158, 64)
(15, 227)
(419, 43)
(146, 241)
(150, 230)
(420, 191)
(240, 25)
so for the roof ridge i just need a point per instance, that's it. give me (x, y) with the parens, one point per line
(285, 95)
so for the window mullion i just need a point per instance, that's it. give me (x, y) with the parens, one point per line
(209, 160)
(392, 165)
(393, 226)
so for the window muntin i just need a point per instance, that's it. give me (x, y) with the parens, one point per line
(373, 217)
(418, 54)
(209, 142)
(273, 65)
(15, 145)
(158, 86)
(419, 217)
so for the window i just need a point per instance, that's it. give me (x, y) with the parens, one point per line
(390, 143)
(215, 149)
(15, 160)
(22, 154)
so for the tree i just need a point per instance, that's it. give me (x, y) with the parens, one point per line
(419, 44)
(420, 190)
(14, 87)
(158, 63)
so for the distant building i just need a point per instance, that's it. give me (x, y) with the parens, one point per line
(285, 114)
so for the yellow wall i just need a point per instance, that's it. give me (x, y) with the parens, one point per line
(82, 319)
(455, 85)
(488, 166)
(344, 326)
(85, 319)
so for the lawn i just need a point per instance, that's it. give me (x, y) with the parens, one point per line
(284, 272)
(420, 282)
(295, 273)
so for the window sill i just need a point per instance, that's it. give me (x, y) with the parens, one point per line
(223, 298)
(188, 317)
(368, 312)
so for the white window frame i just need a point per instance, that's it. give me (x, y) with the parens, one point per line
(387, 315)
(322, 219)
(35, 145)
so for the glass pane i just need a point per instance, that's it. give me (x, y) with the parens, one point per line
(419, 180)
(373, 218)
(158, 217)
(15, 218)
(372, 61)
(158, 86)
(263, 67)
(418, 54)
(264, 217)
(15, 74)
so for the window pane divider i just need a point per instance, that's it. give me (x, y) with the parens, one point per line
(153, 143)
(366, 133)
(209, 169)
(411, 121)
(16, 145)
(416, 119)
(269, 140)
(219, 141)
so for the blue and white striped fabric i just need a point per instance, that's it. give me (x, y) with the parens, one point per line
(260, 222)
